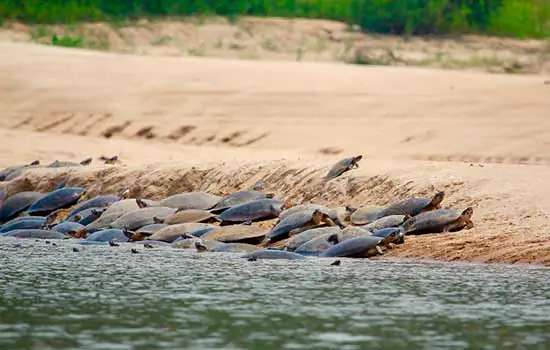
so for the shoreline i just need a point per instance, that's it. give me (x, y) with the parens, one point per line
(481, 244)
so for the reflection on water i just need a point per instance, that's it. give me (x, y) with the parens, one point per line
(108, 298)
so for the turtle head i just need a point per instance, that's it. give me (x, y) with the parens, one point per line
(97, 213)
(124, 193)
(80, 233)
(408, 224)
(270, 195)
(200, 246)
(356, 160)
(141, 204)
(318, 217)
(333, 239)
(77, 218)
(157, 220)
(467, 213)
(34, 163)
(86, 161)
(437, 199)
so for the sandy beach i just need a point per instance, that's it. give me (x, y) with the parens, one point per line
(196, 123)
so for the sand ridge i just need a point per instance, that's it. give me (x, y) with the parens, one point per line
(220, 125)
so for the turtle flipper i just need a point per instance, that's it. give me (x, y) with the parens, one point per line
(379, 250)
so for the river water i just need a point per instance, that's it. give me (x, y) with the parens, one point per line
(102, 297)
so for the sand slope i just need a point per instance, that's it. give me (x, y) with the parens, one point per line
(419, 130)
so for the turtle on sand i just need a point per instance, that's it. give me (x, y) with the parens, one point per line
(95, 202)
(358, 247)
(18, 203)
(187, 215)
(389, 235)
(27, 222)
(440, 220)
(343, 166)
(306, 236)
(172, 232)
(385, 222)
(10, 173)
(36, 233)
(319, 244)
(237, 198)
(236, 234)
(136, 219)
(298, 222)
(62, 198)
(272, 254)
(337, 215)
(366, 214)
(148, 230)
(191, 200)
(256, 210)
(414, 206)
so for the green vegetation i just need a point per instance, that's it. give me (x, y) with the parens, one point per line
(517, 18)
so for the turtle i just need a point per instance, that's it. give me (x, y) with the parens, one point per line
(148, 230)
(319, 244)
(385, 222)
(109, 160)
(188, 215)
(36, 233)
(185, 242)
(239, 197)
(389, 235)
(413, 206)
(336, 214)
(297, 223)
(63, 164)
(172, 232)
(306, 236)
(103, 221)
(62, 198)
(109, 235)
(86, 216)
(216, 247)
(256, 210)
(272, 254)
(95, 202)
(236, 234)
(10, 173)
(366, 214)
(358, 247)
(343, 166)
(127, 205)
(23, 223)
(69, 227)
(438, 221)
(18, 203)
(191, 200)
(354, 231)
(202, 231)
(135, 219)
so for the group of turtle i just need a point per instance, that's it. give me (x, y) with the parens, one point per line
(250, 221)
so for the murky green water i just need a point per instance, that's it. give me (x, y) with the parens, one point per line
(109, 298)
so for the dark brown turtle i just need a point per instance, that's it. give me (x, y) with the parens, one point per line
(413, 206)
(188, 215)
(62, 198)
(237, 234)
(343, 166)
(17, 204)
(440, 220)
(358, 247)
(256, 210)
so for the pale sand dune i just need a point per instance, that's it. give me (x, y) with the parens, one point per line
(285, 113)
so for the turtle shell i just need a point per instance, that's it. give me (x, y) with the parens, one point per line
(18, 203)
(302, 207)
(150, 229)
(386, 222)
(353, 232)
(61, 198)
(236, 248)
(125, 206)
(237, 198)
(353, 247)
(319, 244)
(306, 236)
(138, 218)
(103, 221)
(189, 215)
(436, 221)
(28, 222)
(342, 166)
(260, 209)
(291, 222)
(68, 227)
(36, 233)
(191, 200)
(366, 214)
(96, 202)
(413, 206)
(108, 235)
(237, 234)
(172, 232)
(273, 254)
(389, 235)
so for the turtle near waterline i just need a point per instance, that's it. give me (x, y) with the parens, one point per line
(439, 221)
